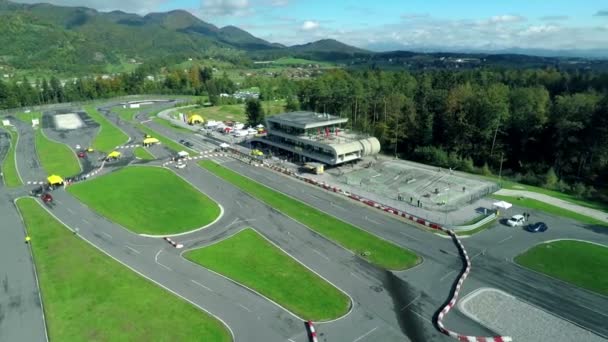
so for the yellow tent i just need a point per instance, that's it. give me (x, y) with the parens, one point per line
(114, 154)
(195, 119)
(55, 180)
(150, 141)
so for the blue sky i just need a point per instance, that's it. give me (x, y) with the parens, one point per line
(490, 24)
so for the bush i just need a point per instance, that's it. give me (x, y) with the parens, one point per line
(485, 170)
(551, 179)
(432, 155)
(531, 178)
(467, 165)
(563, 186)
(579, 189)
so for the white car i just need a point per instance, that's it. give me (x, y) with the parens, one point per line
(516, 220)
(180, 166)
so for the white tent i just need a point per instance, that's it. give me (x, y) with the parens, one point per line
(224, 145)
(183, 154)
(502, 205)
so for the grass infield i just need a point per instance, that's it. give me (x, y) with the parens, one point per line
(378, 251)
(109, 136)
(88, 296)
(250, 259)
(56, 158)
(147, 200)
(142, 153)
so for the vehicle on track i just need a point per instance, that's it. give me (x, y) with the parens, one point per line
(516, 220)
(537, 227)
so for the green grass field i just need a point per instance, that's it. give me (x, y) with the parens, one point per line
(172, 126)
(236, 112)
(88, 296)
(250, 259)
(284, 61)
(172, 145)
(9, 167)
(579, 263)
(126, 114)
(27, 117)
(147, 200)
(381, 252)
(56, 158)
(551, 209)
(143, 153)
(109, 136)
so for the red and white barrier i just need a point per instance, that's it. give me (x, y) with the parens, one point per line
(173, 243)
(313, 332)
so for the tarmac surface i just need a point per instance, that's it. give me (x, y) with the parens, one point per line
(386, 306)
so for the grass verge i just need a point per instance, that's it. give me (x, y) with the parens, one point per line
(551, 209)
(89, 296)
(126, 114)
(109, 136)
(148, 200)
(142, 153)
(250, 259)
(9, 167)
(580, 263)
(172, 145)
(56, 158)
(381, 252)
(172, 126)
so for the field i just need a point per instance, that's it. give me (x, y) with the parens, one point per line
(250, 259)
(88, 296)
(126, 114)
(148, 200)
(580, 263)
(236, 112)
(172, 145)
(143, 153)
(381, 252)
(10, 175)
(56, 158)
(172, 126)
(287, 61)
(109, 136)
(550, 209)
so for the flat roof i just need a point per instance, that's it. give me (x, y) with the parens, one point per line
(306, 120)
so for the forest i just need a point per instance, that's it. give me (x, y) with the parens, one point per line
(542, 127)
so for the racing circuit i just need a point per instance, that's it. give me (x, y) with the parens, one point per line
(410, 305)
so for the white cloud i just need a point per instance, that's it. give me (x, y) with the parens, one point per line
(133, 6)
(507, 18)
(310, 25)
(226, 7)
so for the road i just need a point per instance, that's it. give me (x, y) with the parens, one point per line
(387, 306)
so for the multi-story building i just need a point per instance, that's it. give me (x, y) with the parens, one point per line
(310, 136)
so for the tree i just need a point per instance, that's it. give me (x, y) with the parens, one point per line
(292, 104)
(551, 179)
(255, 112)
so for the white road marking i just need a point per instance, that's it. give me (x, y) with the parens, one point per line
(372, 221)
(410, 303)
(337, 206)
(364, 335)
(290, 340)
(133, 249)
(70, 211)
(478, 254)
(239, 204)
(419, 315)
(409, 236)
(356, 276)
(107, 235)
(201, 285)
(321, 254)
(85, 221)
(244, 307)
(505, 239)
(446, 275)
(156, 261)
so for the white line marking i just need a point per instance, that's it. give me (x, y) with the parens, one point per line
(409, 236)
(410, 303)
(372, 221)
(364, 335)
(133, 249)
(356, 276)
(321, 254)
(419, 315)
(244, 307)
(505, 239)
(290, 340)
(156, 261)
(239, 204)
(446, 275)
(107, 235)
(337, 206)
(478, 254)
(201, 285)
(85, 221)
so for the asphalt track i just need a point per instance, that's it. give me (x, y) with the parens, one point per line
(387, 306)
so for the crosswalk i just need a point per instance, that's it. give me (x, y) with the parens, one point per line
(123, 147)
(218, 157)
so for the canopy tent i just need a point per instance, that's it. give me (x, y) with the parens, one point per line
(114, 154)
(195, 119)
(150, 141)
(55, 180)
(502, 205)
(183, 154)
(224, 145)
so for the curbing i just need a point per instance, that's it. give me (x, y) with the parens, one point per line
(142, 275)
(257, 292)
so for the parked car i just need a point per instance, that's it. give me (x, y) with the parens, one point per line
(516, 220)
(537, 227)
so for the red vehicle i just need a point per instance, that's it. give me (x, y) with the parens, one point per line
(81, 154)
(47, 198)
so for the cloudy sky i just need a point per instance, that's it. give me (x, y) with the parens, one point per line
(388, 24)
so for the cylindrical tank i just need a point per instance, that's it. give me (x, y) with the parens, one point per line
(371, 146)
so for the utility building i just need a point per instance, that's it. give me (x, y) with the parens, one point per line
(310, 136)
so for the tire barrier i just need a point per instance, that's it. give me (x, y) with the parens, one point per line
(173, 243)
(312, 331)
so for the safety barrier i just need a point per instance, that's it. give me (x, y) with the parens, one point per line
(313, 332)
(173, 243)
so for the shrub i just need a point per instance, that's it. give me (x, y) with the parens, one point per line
(551, 179)
(432, 155)
(485, 170)
(579, 189)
